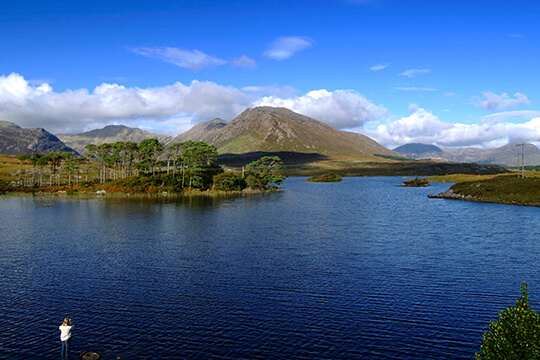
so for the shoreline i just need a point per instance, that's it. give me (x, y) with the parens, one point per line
(504, 190)
(101, 194)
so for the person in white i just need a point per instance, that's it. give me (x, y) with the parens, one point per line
(65, 337)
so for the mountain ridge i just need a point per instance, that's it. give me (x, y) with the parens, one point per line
(15, 140)
(108, 134)
(271, 129)
(505, 155)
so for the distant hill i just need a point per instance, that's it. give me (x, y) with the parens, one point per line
(15, 140)
(422, 151)
(505, 155)
(109, 134)
(269, 129)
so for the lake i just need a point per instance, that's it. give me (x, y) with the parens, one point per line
(358, 269)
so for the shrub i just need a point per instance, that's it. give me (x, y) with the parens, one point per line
(516, 335)
(228, 182)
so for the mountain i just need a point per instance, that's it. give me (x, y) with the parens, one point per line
(109, 134)
(269, 129)
(422, 151)
(505, 155)
(15, 140)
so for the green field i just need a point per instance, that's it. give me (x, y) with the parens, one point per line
(503, 189)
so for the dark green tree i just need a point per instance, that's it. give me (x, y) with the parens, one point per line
(173, 151)
(229, 181)
(55, 160)
(197, 160)
(265, 173)
(149, 150)
(515, 336)
(34, 159)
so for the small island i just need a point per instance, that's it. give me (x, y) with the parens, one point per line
(325, 178)
(504, 189)
(148, 168)
(416, 182)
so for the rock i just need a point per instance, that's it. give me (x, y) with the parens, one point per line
(89, 355)
(101, 192)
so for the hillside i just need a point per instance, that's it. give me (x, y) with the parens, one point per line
(109, 134)
(15, 140)
(420, 151)
(499, 189)
(267, 129)
(506, 155)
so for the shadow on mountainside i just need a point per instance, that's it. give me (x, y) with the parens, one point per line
(290, 159)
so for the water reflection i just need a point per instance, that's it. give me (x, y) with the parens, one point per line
(359, 269)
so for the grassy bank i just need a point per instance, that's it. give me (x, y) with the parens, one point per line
(498, 189)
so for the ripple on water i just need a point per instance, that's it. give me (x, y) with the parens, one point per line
(360, 269)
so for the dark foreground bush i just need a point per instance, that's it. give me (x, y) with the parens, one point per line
(515, 336)
(229, 181)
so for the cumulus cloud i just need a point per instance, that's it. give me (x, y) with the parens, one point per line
(285, 47)
(342, 109)
(79, 110)
(379, 67)
(492, 101)
(169, 108)
(244, 61)
(422, 126)
(415, 72)
(191, 59)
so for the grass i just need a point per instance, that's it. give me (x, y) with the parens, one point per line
(457, 178)
(394, 157)
(326, 178)
(503, 189)
(9, 164)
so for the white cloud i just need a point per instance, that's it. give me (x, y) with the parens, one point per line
(74, 111)
(191, 59)
(424, 127)
(167, 107)
(174, 108)
(285, 47)
(244, 61)
(493, 101)
(342, 109)
(379, 67)
(506, 115)
(414, 72)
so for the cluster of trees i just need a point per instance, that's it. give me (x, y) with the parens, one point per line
(190, 164)
(55, 163)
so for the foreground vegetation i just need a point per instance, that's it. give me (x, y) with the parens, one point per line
(504, 189)
(515, 335)
(137, 168)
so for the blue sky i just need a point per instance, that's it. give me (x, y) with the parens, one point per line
(451, 73)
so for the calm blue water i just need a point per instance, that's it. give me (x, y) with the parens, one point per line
(358, 269)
